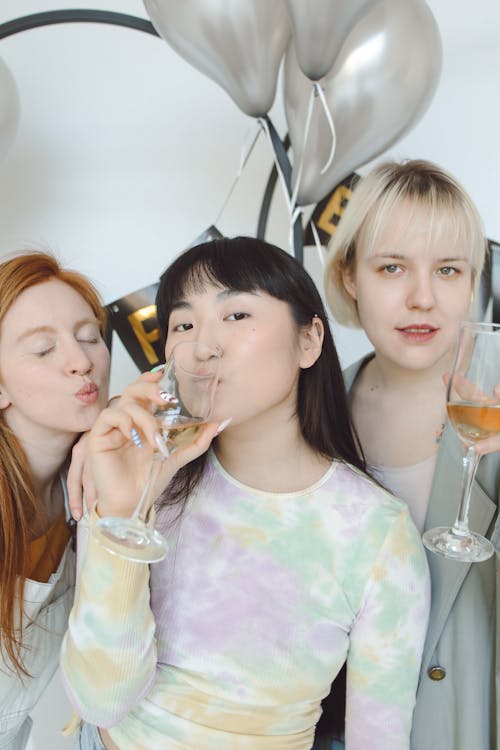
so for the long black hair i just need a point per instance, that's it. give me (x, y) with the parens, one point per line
(246, 264)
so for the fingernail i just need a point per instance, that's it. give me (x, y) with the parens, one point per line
(136, 437)
(76, 514)
(223, 425)
(169, 398)
(157, 368)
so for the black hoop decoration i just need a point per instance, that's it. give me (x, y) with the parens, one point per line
(51, 17)
(495, 279)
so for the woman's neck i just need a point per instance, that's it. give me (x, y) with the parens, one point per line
(270, 455)
(383, 375)
(46, 458)
(399, 414)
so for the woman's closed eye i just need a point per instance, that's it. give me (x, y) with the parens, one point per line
(88, 334)
(89, 339)
(43, 352)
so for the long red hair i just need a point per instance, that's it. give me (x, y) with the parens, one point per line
(19, 506)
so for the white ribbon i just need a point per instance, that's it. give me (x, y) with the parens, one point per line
(246, 150)
(319, 246)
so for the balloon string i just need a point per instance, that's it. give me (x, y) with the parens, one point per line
(294, 215)
(319, 92)
(244, 157)
(295, 193)
(319, 246)
(293, 211)
(316, 91)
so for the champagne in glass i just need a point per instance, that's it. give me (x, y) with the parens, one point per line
(473, 405)
(188, 385)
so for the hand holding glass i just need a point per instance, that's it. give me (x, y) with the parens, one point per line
(474, 412)
(187, 387)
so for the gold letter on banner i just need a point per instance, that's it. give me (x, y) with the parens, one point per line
(334, 209)
(145, 338)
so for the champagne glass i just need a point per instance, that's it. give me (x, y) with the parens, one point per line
(188, 385)
(473, 405)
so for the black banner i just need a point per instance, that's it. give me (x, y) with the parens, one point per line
(328, 212)
(133, 317)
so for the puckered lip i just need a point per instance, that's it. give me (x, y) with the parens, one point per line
(87, 390)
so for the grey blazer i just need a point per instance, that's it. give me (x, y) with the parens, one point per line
(461, 709)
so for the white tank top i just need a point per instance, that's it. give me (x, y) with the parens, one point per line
(410, 483)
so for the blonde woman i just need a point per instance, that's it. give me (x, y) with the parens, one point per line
(404, 263)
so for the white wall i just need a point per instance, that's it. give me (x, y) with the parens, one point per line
(125, 154)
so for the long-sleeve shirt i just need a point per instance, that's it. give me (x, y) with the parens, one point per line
(234, 638)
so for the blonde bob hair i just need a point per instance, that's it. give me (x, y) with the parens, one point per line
(427, 187)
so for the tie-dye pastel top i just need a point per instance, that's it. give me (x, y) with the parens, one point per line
(232, 641)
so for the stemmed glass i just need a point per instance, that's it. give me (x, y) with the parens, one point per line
(188, 385)
(473, 405)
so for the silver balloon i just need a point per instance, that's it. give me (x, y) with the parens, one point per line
(381, 84)
(9, 109)
(320, 28)
(237, 43)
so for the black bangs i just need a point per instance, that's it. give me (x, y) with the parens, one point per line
(242, 264)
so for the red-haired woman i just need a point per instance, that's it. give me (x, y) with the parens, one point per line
(54, 368)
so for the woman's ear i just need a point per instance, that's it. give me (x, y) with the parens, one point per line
(4, 399)
(311, 342)
(349, 281)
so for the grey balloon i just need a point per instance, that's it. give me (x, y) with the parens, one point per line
(237, 43)
(320, 28)
(9, 109)
(380, 86)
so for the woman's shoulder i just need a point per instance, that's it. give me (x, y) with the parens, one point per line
(354, 486)
(351, 372)
(362, 505)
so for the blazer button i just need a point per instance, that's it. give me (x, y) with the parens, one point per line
(436, 673)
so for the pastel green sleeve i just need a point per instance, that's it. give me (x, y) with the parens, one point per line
(108, 656)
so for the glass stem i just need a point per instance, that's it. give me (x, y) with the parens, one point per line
(469, 462)
(138, 512)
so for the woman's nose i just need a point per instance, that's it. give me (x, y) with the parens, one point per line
(78, 362)
(421, 293)
(207, 350)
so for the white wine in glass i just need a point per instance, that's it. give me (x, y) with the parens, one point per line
(473, 405)
(188, 385)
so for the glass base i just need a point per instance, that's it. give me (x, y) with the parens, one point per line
(130, 538)
(467, 547)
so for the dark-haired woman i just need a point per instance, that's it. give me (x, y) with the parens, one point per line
(54, 368)
(286, 559)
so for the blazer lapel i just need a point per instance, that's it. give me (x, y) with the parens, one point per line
(448, 575)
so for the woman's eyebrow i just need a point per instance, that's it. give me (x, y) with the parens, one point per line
(32, 331)
(181, 304)
(50, 329)
(398, 256)
(226, 293)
